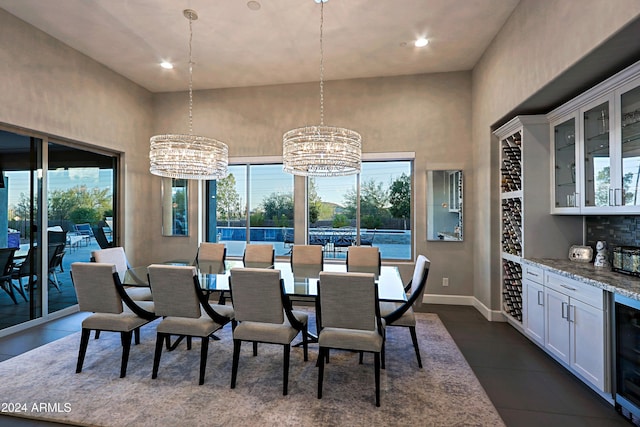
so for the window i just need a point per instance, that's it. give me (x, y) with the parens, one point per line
(254, 204)
(372, 208)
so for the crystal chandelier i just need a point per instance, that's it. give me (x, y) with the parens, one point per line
(321, 150)
(188, 156)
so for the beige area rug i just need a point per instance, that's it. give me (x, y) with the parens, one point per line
(444, 393)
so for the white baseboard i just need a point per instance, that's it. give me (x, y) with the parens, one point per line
(490, 315)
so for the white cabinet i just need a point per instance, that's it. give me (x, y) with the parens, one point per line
(596, 149)
(533, 316)
(575, 320)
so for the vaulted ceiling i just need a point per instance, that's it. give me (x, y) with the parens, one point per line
(247, 43)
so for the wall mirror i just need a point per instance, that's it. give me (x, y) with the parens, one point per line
(444, 205)
(175, 207)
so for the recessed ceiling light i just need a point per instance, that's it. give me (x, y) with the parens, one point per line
(421, 42)
(253, 5)
(321, 1)
(166, 65)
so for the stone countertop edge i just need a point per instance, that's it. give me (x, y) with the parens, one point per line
(599, 277)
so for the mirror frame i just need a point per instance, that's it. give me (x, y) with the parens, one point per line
(445, 196)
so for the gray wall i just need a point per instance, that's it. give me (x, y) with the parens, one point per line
(538, 42)
(429, 114)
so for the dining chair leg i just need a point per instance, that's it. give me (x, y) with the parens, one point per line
(97, 335)
(305, 343)
(203, 358)
(285, 374)
(160, 338)
(414, 338)
(234, 365)
(136, 335)
(9, 291)
(84, 342)
(188, 343)
(320, 364)
(360, 359)
(126, 346)
(376, 364)
(255, 348)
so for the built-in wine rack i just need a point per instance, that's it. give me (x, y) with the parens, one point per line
(512, 289)
(512, 251)
(511, 168)
(512, 226)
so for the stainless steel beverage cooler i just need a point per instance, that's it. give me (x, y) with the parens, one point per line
(627, 355)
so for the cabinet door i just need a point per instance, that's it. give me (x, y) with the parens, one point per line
(599, 170)
(587, 342)
(566, 169)
(533, 304)
(557, 328)
(629, 137)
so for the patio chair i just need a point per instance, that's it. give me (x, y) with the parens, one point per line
(6, 268)
(348, 318)
(99, 290)
(401, 314)
(85, 231)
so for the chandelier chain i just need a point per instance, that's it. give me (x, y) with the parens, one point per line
(190, 76)
(321, 65)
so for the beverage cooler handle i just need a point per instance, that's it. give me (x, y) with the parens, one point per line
(565, 316)
(571, 317)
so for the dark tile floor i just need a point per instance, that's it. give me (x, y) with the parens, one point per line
(527, 387)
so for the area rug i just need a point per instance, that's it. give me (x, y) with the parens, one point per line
(42, 384)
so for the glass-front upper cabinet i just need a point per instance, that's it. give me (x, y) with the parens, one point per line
(629, 119)
(565, 175)
(598, 190)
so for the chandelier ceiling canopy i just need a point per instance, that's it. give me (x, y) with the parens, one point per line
(321, 150)
(188, 156)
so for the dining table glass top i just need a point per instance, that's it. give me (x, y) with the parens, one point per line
(299, 280)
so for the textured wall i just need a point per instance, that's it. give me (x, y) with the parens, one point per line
(50, 88)
(427, 114)
(540, 40)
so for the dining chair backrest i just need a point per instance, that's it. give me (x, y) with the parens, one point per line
(95, 287)
(348, 300)
(211, 252)
(257, 295)
(115, 256)
(306, 255)
(363, 256)
(174, 292)
(6, 261)
(259, 254)
(419, 280)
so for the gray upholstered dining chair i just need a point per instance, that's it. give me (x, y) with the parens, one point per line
(186, 311)
(401, 314)
(117, 256)
(307, 255)
(256, 255)
(364, 259)
(348, 317)
(99, 290)
(263, 314)
(211, 252)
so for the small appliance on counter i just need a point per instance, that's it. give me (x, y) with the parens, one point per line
(626, 259)
(579, 253)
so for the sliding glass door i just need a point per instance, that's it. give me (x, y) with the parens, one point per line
(54, 197)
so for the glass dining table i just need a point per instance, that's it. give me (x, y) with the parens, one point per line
(299, 281)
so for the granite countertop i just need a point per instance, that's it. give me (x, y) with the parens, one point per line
(603, 278)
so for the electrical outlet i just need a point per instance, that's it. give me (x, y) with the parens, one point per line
(445, 281)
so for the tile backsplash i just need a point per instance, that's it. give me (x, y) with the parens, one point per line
(615, 230)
